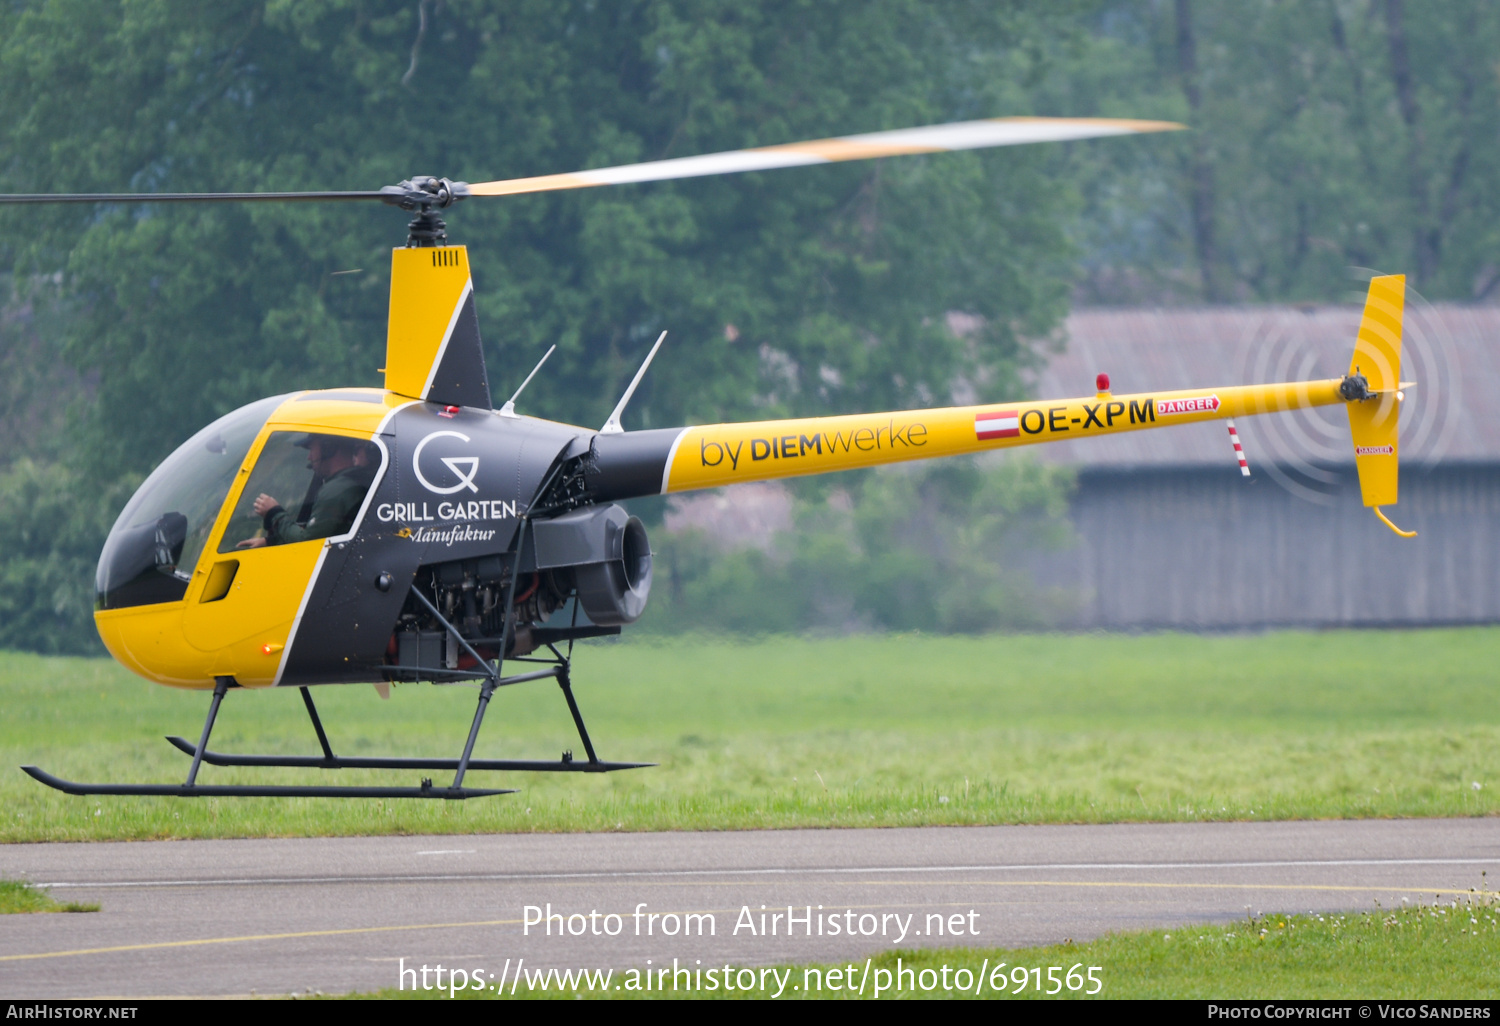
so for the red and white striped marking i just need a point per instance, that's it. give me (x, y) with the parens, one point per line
(998, 424)
(1239, 451)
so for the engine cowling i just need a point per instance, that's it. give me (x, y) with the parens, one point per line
(610, 557)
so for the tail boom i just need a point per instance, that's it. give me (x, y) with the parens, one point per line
(721, 454)
(631, 464)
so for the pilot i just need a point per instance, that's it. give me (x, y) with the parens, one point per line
(367, 454)
(342, 474)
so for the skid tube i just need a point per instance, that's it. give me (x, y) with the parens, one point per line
(201, 753)
(261, 791)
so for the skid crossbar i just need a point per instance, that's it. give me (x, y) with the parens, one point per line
(366, 762)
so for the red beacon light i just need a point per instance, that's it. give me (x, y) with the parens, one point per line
(1102, 383)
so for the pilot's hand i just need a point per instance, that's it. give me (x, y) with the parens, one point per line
(251, 543)
(264, 504)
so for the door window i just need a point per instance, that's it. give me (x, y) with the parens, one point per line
(316, 507)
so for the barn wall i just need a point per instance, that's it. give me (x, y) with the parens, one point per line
(1205, 549)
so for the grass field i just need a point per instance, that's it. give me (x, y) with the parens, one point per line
(858, 731)
(1441, 951)
(17, 896)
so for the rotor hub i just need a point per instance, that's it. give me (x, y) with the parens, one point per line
(425, 195)
(1355, 388)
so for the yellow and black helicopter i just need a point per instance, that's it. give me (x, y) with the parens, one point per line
(427, 536)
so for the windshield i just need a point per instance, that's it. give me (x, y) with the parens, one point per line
(154, 545)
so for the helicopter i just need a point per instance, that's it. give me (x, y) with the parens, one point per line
(416, 533)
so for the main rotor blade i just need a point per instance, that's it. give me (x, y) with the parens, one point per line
(959, 135)
(185, 197)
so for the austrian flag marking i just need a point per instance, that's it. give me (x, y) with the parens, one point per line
(997, 424)
(1194, 404)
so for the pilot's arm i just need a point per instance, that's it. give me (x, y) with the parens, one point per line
(263, 505)
(333, 511)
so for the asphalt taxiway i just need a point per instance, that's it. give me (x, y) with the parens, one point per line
(341, 914)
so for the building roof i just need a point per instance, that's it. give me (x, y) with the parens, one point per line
(1452, 351)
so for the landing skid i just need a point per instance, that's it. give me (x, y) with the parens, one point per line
(257, 791)
(201, 753)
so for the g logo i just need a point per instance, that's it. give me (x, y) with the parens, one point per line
(453, 463)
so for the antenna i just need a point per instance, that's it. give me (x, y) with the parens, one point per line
(509, 409)
(612, 425)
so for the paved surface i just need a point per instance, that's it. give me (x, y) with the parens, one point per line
(338, 914)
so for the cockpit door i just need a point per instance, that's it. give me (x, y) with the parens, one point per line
(249, 587)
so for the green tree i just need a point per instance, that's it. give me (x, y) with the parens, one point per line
(815, 290)
(1326, 135)
(822, 289)
(50, 531)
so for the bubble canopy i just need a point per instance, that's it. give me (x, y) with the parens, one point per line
(156, 541)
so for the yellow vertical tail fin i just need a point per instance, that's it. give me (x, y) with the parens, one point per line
(1373, 418)
(432, 347)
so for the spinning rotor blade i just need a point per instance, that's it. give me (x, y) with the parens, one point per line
(185, 197)
(959, 135)
(423, 193)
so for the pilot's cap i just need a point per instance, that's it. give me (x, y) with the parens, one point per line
(330, 443)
